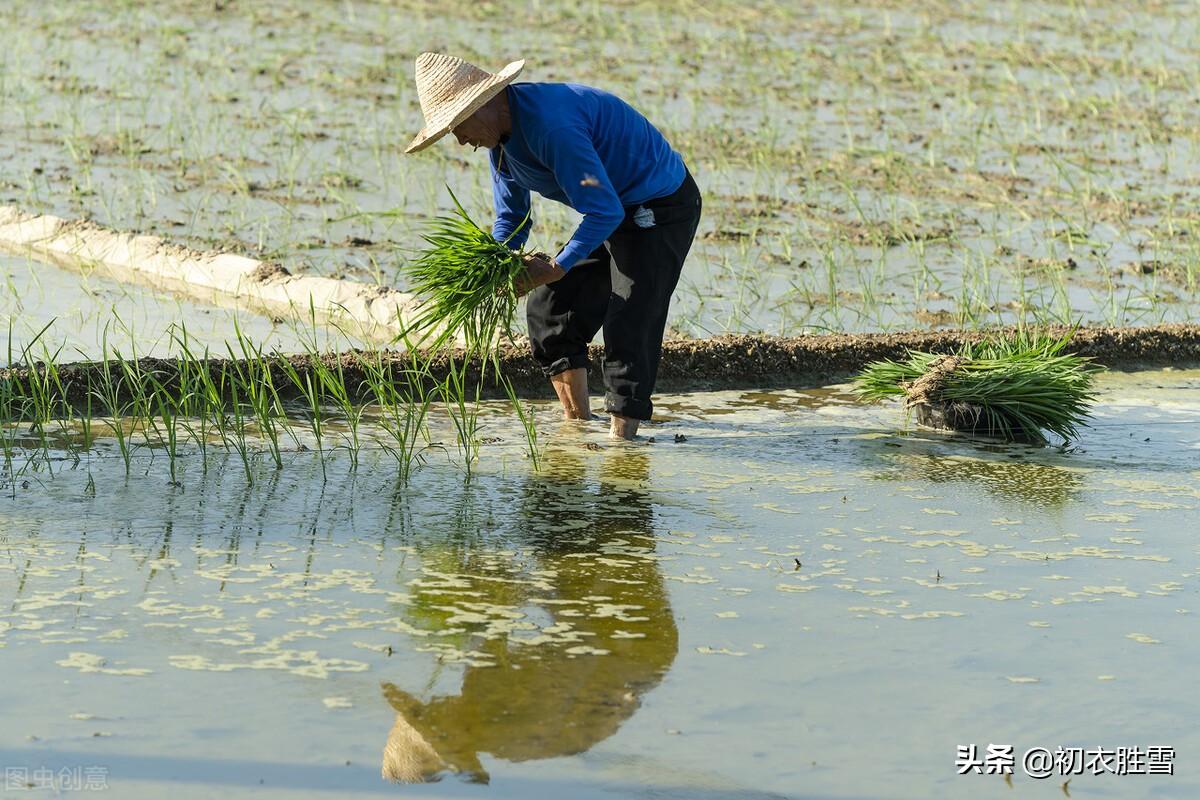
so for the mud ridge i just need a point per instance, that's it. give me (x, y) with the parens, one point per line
(724, 362)
(226, 279)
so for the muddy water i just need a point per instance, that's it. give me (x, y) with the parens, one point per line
(797, 598)
(43, 306)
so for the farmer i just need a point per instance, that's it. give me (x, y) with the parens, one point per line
(528, 699)
(593, 152)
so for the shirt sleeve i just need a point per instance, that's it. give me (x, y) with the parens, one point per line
(512, 206)
(571, 156)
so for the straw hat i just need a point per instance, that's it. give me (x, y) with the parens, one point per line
(408, 757)
(451, 90)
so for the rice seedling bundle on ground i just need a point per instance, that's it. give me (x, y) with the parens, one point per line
(465, 279)
(1012, 388)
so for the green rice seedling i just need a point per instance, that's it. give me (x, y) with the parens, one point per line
(528, 424)
(38, 395)
(196, 431)
(19, 412)
(199, 401)
(168, 407)
(253, 373)
(8, 445)
(309, 388)
(55, 403)
(1012, 387)
(186, 370)
(403, 410)
(378, 378)
(418, 395)
(466, 279)
(140, 408)
(86, 425)
(109, 396)
(8, 430)
(464, 415)
(237, 433)
(40, 408)
(217, 391)
(331, 383)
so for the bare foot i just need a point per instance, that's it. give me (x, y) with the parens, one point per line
(623, 427)
(572, 390)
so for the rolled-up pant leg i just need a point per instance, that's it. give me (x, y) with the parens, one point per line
(627, 291)
(564, 316)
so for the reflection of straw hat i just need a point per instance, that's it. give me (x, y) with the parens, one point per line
(407, 756)
(451, 90)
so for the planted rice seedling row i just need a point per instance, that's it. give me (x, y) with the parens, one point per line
(249, 403)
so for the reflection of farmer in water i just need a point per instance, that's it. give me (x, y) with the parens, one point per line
(592, 151)
(612, 638)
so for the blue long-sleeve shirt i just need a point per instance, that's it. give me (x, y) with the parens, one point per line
(583, 147)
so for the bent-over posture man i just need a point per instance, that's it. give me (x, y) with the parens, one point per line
(592, 151)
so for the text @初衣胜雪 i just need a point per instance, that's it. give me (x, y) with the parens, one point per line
(1043, 762)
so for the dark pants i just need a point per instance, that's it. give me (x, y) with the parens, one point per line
(627, 291)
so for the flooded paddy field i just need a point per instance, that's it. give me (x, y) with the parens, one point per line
(771, 594)
(783, 595)
(81, 317)
(895, 165)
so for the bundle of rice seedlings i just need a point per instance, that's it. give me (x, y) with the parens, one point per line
(465, 278)
(1012, 388)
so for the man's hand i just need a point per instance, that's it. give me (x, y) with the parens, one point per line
(540, 269)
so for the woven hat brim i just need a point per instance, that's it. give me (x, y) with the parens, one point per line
(407, 756)
(471, 102)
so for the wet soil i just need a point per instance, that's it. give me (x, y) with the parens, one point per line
(723, 362)
(766, 361)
